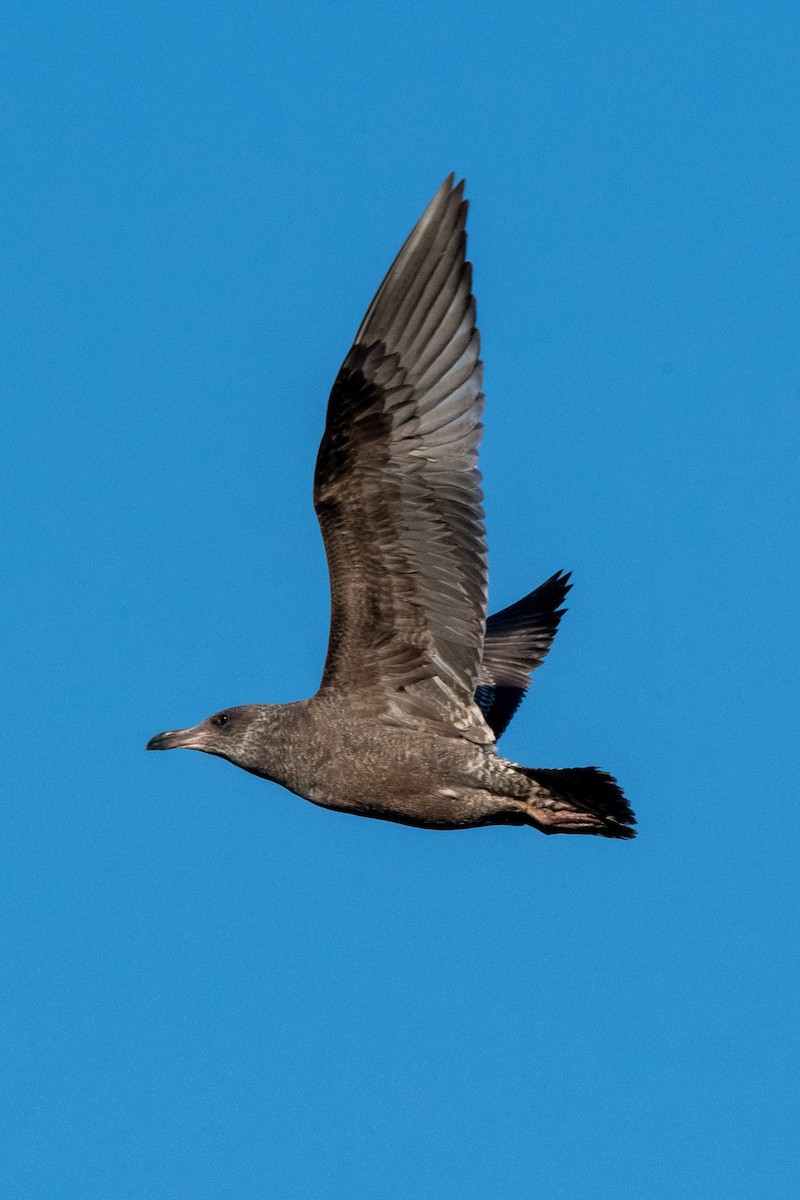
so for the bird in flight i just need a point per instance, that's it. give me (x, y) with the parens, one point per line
(418, 684)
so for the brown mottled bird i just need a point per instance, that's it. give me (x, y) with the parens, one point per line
(418, 684)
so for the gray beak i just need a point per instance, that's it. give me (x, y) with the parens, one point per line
(176, 739)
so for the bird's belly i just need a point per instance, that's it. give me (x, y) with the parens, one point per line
(374, 769)
(432, 807)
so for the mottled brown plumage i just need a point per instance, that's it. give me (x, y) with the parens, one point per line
(417, 685)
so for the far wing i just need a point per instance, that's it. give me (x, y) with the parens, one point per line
(517, 640)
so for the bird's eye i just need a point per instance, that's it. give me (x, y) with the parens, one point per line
(220, 719)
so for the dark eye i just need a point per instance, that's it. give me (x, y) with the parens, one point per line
(220, 719)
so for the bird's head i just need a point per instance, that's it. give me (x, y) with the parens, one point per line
(233, 733)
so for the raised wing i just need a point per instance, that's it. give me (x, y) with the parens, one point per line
(397, 490)
(517, 640)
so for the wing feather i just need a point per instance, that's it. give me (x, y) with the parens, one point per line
(397, 490)
(517, 641)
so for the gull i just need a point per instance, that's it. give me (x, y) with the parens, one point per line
(418, 683)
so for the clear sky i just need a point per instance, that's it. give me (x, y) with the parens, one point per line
(212, 989)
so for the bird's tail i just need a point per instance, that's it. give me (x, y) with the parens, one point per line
(578, 800)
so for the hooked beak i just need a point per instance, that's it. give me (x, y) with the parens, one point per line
(176, 739)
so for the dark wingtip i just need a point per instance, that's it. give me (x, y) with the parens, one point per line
(447, 187)
(555, 588)
(452, 189)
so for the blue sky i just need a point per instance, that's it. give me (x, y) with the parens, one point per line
(211, 988)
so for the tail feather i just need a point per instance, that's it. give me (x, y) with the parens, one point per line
(579, 800)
